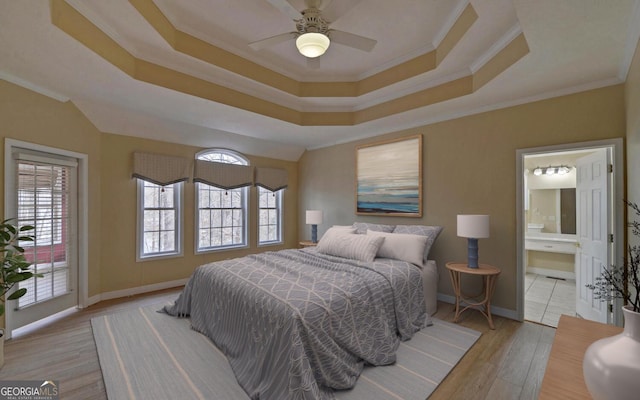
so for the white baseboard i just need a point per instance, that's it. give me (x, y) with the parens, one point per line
(553, 273)
(136, 290)
(503, 312)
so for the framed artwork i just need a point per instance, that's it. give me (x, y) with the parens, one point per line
(389, 178)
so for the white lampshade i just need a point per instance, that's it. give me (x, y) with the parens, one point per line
(473, 226)
(312, 44)
(314, 217)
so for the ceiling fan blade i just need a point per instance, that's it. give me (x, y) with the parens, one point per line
(273, 40)
(352, 40)
(286, 7)
(334, 9)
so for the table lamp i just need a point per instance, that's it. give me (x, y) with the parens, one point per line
(314, 218)
(473, 227)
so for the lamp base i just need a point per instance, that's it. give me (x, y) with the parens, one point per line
(314, 233)
(472, 253)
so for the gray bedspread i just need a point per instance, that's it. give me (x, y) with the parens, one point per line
(297, 324)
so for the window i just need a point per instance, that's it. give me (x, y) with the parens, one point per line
(270, 216)
(45, 201)
(159, 219)
(221, 220)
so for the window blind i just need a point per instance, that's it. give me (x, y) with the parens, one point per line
(223, 176)
(272, 179)
(161, 169)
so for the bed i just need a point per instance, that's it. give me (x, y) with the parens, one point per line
(299, 324)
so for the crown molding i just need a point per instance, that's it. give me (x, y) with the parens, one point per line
(33, 87)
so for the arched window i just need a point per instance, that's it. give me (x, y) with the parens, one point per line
(221, 220)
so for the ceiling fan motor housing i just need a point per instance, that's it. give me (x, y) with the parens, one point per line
(312, 22)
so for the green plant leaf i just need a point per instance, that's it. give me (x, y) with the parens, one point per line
(18, 277)
(17, 294)
(1, 308)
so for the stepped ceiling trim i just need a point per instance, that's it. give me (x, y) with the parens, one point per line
(192, 46)
(72, 22)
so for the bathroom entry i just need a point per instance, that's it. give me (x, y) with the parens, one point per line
(559, 255)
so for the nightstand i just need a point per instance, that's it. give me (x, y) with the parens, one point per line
(307, 243)
(480, 302)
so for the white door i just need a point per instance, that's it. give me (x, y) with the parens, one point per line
(45, 196)
(593, 229)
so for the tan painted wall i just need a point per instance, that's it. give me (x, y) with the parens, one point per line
(31, 117)
(469, 167)
(119, 269)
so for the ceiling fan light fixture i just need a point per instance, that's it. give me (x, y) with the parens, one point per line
(312, 44)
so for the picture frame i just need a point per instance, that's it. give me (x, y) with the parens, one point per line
(389, 178)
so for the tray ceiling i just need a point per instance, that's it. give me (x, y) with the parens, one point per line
(183, 71)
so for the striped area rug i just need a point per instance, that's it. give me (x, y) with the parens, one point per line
(148, 355)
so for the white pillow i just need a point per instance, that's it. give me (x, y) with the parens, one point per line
(341, 243)
(401, 246)
(345, 227)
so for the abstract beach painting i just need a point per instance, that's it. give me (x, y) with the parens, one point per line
(389, 178)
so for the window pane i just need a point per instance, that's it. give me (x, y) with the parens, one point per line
(167, 241)
(166, 197)
(226, 200)
(216, 218)
(216, 197)
(203, 196)
(151, 196)
(151, 242)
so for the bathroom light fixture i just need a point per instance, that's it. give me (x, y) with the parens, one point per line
(552, 170)
(312, 44)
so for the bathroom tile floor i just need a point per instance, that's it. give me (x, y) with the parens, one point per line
(547, 298)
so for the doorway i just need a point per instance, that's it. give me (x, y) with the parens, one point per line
(44, 188)
(554, 251)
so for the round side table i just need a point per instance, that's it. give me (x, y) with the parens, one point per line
(480, 302)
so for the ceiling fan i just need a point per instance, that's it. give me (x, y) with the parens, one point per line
(313, 34)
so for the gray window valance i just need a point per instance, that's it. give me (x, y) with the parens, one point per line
(161, 169)
(223, 176)
(273, 179)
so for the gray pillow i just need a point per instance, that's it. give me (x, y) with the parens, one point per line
(363, 227)
(431, 232)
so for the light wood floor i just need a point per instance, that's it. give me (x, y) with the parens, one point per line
(505, 363)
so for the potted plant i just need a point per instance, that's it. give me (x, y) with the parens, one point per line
(15, 267)
(611, 366)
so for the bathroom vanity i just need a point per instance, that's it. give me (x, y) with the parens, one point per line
(551, 242)
(551, 254)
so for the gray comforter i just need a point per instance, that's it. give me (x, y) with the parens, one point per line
(297, 324)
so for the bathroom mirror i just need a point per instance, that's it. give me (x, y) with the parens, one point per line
(555, 208)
